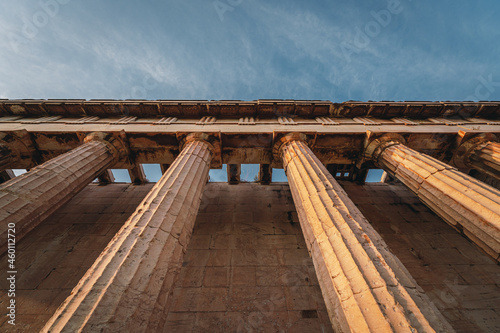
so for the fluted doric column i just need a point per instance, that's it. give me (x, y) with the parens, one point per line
(128, 287)
(480, 152)
(461, 200)
(365, 287)
(30, 198)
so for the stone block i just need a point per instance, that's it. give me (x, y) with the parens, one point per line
(254, 257)
(200, 242)
(220, 322)
(254, 229)
(196, 258)
(303, 298)
(180, 322)
(294, 257)
(268, 276)
(306, 322)
(295, 275)
(244, 275)
(277, 241)
(216, 277)
(225, 242)
(219, 257)
(265, 299)
(200, 299)
(191, 276)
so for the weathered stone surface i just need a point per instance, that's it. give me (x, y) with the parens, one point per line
(30, 198)
(7, 158)
(458, 278)
(106, 177)
(16, 149)
(467, 204)
(249, 270)
(265, 107)
(137, 175)
(6, 175)
(481, 154)
(129, 286)
(454, 273)
(365, 287)
(233, 174)
(265, 174)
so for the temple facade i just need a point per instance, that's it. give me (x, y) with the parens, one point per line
(418, 251)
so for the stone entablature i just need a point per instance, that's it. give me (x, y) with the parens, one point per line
(264, 108)
(336, 139)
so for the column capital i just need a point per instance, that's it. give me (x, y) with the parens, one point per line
(212, 140)
(116, 143)
(20, 145)
(204, 137)
(468, 143)
(377, 143)
(281, 140)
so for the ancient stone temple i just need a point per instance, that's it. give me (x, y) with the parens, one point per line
(325, 251)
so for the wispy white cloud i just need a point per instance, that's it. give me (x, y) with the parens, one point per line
(176, 49)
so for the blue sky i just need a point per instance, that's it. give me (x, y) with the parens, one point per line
(251, 49)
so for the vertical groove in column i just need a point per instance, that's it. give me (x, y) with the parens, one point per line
(30, 198)
(366, 288)
(128, 287)
(464, 202)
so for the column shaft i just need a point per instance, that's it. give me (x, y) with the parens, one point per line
(486, 158)
(128, 287)
(365, 287)
(464, 202)
(30, 198)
